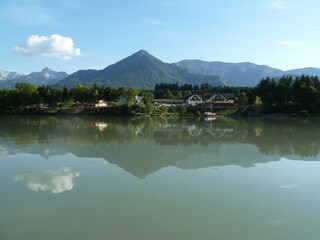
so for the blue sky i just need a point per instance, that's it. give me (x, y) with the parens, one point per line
(69, 35)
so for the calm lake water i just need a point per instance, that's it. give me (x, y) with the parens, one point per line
(80, 178)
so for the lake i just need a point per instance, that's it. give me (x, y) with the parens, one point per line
(80, 178)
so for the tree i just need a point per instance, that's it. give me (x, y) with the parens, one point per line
(265, 89)
(179, 95)
(81, 93)
(182, 109)
(168, 94)
(149, 108)
(283, 91)
(26, 94)
(4, 98)
(258, 104)
(163, 108)
(242, 100)
(65, 94)
(110, 94)
(131, 94)
(147, 97)
(305, 93)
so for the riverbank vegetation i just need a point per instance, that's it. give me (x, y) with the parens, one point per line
(286, 95)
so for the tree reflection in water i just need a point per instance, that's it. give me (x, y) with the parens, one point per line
(144, 145)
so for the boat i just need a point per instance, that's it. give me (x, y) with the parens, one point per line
(209, 114)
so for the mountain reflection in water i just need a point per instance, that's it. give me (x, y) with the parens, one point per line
(143, 146)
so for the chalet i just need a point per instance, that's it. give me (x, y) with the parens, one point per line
(219, 100)
(192, 99)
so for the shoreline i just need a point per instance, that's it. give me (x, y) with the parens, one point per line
(128, 114)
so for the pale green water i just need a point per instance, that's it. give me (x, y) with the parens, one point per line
(79, 178)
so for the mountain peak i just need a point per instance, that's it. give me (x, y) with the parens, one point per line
(143, 52)
(141, 70)
(46, 70)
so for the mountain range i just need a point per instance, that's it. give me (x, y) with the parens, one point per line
(45, 77)
(241, 74)
(141, 70)
(144, 71)
(7, 75)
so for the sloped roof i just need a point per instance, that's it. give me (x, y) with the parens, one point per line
(226, 95)
(190, 95)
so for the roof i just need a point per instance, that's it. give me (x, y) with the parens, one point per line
(190, 95)
(166, 100)
(226, 95)
(229, 95)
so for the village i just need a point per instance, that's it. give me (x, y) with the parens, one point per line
(193, 103)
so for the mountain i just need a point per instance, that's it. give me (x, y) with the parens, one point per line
(7, 75)
(141, 70)
(305, 71)
(144, 71)
(234, 74)
(45, 77)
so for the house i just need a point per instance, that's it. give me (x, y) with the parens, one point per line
(101, 103)
(219, 100)
(124, 100)
(138, 99)
(167, 102)
(193, 99)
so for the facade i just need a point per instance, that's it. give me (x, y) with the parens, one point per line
(167, 102)
(219, 100)
(101, 103)
(193, 100)
(207, 101)
(124, 100)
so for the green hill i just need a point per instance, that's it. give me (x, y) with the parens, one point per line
(140, 70)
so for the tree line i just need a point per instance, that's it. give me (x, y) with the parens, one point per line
(287, 94)
(284, 95)
(24, 94)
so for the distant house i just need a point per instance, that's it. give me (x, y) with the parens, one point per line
(167, 102)
(101, 103)
(139, 99)
(193, 99)
(219, 100)
(124, 100)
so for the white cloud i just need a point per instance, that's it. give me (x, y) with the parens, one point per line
(290, 43)
(278, 5)
(49, 46)
(3, 151)
(53, 181)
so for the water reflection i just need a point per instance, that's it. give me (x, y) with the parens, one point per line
(3, 151)
(142, 146)
(54, 181)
